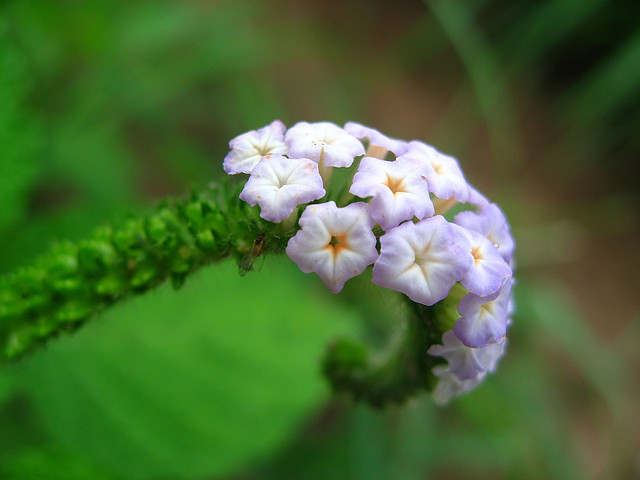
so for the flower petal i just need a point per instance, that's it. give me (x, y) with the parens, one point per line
(491, 223)
(323, 141)
(443, 173)
(375, 138)
(247, 149)
(420, 260)
(335, 243)
(398, 188)
(488, 270)
(484, 319)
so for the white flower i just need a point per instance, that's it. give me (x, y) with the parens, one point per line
(466, 369)
(466, 362)
(443, 173)
(420, 260)
(491, 223)
(488, 270)
(449, 385)
(477, 199)
(398, 188)
(335, 243)
(247, 149)
(279, 184)
(484, 319)
(376, 139)
(323, 142)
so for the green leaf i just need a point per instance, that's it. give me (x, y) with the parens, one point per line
(32, 464)
(190, 383)
(20, 137)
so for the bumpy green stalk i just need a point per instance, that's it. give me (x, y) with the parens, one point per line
(404, 369)
(75, 281)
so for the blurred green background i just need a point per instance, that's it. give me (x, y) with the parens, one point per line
(107, 107)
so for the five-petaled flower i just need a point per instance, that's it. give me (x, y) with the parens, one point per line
(247, 149)
(279, 184)
(488, 270)
(335, 243)
(420, 260)
(398, 188)
(483, 320)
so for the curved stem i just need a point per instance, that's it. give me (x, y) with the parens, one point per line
(395, 375)
(75, 281)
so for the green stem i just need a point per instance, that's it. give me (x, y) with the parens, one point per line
(393, 376)
(75, 281)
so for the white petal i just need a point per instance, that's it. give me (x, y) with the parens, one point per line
(484, 319)
(375, 138)
(444, 175)
(466, 362)
(323, 141)
(247, 149)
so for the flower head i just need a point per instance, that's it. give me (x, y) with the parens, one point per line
(247, 149)
(420, 260)
(398, 188)
(443, 173)
(279, 184)
(335, 243)
(323, 141)
(483, 320)
(399, 227)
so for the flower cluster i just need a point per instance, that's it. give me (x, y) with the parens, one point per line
(419, 248)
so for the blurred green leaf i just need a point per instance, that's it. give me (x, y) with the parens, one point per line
(610, 87)
(20, 137)
(540, 27)
(458, 22)
(34, 464)
(189, 383)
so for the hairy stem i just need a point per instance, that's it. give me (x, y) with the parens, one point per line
(392, 376)
(75, 281)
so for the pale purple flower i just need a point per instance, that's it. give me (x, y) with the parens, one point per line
(323, 141)
(279, 184)
(476, 198)
(376, 139)
(247, 149)
(449, 385)
(398, 188)
(483, 320)
(488, 270)
(466, 362)
(443, 173)
(491, 223)
(335, 243)
(420, 260)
